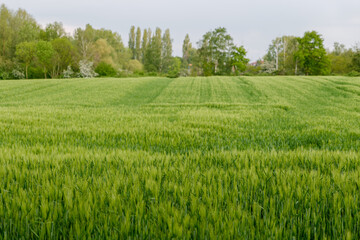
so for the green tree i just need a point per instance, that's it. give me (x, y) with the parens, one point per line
(135, 66)
(152, 61)
(174, 67)
(5, 31)
(84, 38)
(64, 56)
(312, 54)
(281, 54)
(119, 54)
(239, 60)
(44, 54)
(103, 52)
(24, 29)
(26, 52)
(138, 44)
(144, 45)
(53, 31)
(355, 60)
(340, 59)
(132, 41)
(186, 48)
(166, 58)
(215, 52)
(15, 27)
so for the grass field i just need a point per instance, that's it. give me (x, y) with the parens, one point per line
(158, 158)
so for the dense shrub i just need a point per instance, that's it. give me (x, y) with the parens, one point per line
(105, 70)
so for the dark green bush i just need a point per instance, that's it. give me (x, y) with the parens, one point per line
(105, 70)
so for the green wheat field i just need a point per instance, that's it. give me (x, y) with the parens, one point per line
(185, 158)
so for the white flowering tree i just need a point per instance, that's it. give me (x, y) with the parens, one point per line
(86, 69)
(68, 73)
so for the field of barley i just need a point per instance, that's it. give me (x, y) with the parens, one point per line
(186, 158)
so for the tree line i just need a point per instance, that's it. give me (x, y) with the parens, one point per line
(29, 51)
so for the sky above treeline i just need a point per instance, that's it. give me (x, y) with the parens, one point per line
(251, 23)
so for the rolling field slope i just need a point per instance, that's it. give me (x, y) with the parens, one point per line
(155, 158)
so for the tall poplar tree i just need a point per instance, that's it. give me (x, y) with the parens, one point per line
(152, 61)
(166, 54)
(186, 49)
(138, 44)
(144, 44)
(132, 41)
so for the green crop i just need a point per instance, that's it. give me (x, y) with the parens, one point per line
(186, 158)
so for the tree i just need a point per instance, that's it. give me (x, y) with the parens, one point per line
(215, 52)
(144, 45)
(312, 54)
(103, 52)
(15, 27)
(53, 31)
(44, 54)
(84, 40)
(239, 61)
(275, 49)
(281, 53)
(152, 61)
(186, 47)
(340, 59)
(5, 31)
(86, 69)
(135, 66)
(64, 55)
(355, 61)
(24, 29)
(26, 53)
(132, 41)
(138, 44)
(166, 51)
(174, 67)
(338, 49)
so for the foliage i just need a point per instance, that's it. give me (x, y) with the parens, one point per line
(355, 61)
(312, 55)
(239, 61)
(135, 66)
(166, 54)
(174, 68)
(64, 56)
(354, 74)
(44, 55)
(53, 31)
(132, 42)
(215, 50)
(153, 55)
(17, 74)
(68, 73)
(86, 69)
(268, 67)
(214, 55)
(105, 70)
(26, 52)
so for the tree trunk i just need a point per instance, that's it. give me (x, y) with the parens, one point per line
(26, 71)
(277, 59)
(284, 52)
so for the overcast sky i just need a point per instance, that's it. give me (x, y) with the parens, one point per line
(251, 23)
